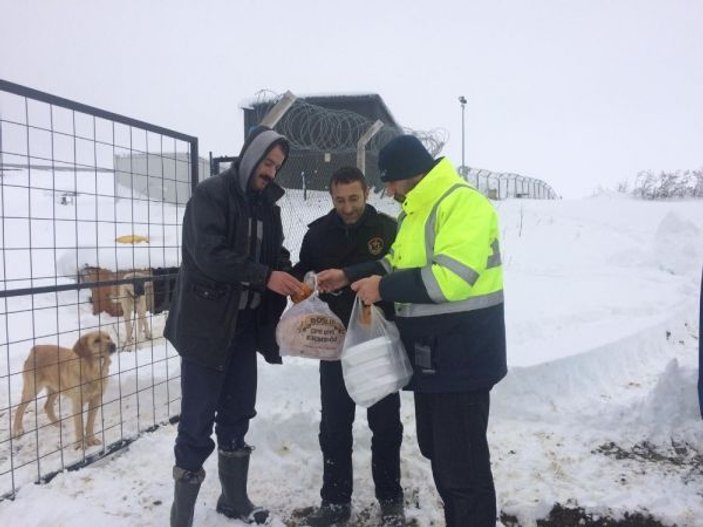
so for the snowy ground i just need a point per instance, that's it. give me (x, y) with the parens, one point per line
(599, 410)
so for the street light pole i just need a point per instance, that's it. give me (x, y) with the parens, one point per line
(462, 101)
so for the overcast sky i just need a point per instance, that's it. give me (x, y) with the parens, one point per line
(578, 93)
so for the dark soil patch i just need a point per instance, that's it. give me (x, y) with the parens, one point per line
(561, 516)
(367, 517)
(678, 456)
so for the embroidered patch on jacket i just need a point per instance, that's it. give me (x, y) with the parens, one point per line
(376, 246)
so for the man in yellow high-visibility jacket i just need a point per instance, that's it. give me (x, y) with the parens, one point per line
(445, 276)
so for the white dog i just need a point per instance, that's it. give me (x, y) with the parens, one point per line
(132, 298)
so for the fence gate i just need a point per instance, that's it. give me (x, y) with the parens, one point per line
(88, 198)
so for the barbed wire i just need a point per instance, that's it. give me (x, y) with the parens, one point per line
(313, 127)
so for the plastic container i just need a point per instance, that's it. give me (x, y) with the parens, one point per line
(374, 371)
(374, 361)
(370, 372)
(370, 350)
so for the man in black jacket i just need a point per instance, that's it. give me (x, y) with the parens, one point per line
(351, 233)
(229, 294)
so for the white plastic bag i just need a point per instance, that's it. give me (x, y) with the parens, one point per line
(374, 361)
(310, 329)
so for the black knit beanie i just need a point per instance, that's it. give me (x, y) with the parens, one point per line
(404, 157)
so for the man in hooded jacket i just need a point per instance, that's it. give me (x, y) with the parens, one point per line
(230, 292)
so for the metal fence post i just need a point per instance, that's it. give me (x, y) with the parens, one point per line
(363, 141)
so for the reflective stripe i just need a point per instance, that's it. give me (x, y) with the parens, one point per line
(494, 260)
(431, 285)
(470, 304)
(386, 266)
(429, 280)
(401, 217)
(464, 272)
(432, 220)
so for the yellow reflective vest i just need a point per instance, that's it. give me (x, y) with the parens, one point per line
(450, 231)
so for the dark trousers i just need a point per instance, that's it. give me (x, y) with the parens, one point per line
(451, 433)
(336, 439)
(225, 398)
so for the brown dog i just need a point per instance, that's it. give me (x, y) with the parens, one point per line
(79, 373)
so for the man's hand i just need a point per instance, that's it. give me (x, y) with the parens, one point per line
(284, 284)
(330, 280)
(367, 289)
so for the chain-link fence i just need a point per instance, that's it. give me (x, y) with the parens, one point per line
(505, 186)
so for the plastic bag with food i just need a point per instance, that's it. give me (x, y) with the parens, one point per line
(310, 329)
(374, 361)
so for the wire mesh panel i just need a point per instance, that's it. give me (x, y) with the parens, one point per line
(91, 205)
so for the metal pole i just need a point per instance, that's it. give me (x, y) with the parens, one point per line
(194, 167)
(281, 107)
(361, 144)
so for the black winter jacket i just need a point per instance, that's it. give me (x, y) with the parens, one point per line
(330, 243)
(217, 268)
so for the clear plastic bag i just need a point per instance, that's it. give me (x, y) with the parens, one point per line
(310, 329)
(374, 361)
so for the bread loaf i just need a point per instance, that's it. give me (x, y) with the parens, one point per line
(312, 335)
(307, 291)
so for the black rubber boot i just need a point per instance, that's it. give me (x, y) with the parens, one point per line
(329, 514)
(233, 468)
(186, 488)
(392, 513)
